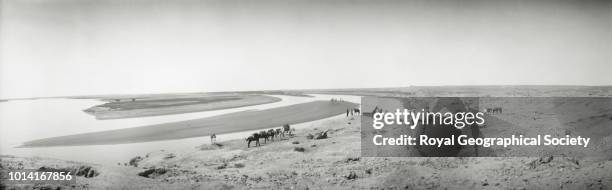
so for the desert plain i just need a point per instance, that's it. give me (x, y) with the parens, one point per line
(305, 161)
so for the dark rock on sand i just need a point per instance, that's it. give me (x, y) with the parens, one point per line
(322, 135)
(542, 160)
(238, 165)
(169, 156)
(485, 183)
(50, 169)
(352, 159)
(222, 166)
(85, 171)
(299, 149)
(134, 161)
(352, 175)
(153, 172)
(309, 136)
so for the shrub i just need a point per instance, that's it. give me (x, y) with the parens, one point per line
(310, 136)
(239, 165)
(153, 172)
(222, 166)
(299, 149)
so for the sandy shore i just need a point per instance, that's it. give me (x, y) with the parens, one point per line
(122, 107)
(335, 163)
(228, 123)
(328, 164)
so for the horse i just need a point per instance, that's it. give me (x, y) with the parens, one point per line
(254, 137)
(357, 111)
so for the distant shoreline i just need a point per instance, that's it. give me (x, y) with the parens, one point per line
(302, 92)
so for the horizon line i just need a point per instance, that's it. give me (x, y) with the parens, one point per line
(302, 89)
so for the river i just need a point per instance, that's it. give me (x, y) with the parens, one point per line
(25, 120)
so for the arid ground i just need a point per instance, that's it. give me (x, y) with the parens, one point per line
(329, 164)
(335, 162)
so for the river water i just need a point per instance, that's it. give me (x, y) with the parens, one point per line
(25, 120)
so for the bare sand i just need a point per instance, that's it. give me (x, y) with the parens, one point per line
(228, 123)
(129, 107)
(335, 162)
(328, 164)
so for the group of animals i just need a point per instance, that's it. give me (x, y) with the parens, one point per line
(493, 110)
(269, 135)
(353, 111)
(378, 110)
(336, 100)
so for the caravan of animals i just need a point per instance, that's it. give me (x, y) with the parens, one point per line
(278, 133)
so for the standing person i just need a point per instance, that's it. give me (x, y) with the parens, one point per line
(347, 112)
(213, 139)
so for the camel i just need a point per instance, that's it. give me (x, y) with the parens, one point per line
(279, 132)
(264, 135)
(254, 137)
(287, 129)
(271, 134)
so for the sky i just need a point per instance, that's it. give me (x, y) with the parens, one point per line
(76, 47)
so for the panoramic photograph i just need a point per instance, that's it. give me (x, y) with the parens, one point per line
(305, 94)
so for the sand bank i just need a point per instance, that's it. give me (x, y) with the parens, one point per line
(154, 106)
(228, 123)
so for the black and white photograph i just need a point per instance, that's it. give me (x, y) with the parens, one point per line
(305, 94)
